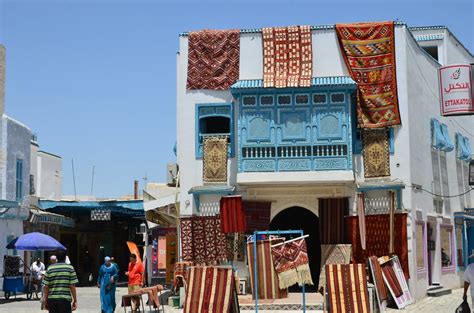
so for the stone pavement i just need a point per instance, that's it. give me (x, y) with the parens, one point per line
(89, 302)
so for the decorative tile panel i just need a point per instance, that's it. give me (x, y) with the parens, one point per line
(290, 165)
(258, 166)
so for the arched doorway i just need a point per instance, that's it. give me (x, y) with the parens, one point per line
(300, 218)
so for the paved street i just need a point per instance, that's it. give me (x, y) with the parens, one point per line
(89, 302)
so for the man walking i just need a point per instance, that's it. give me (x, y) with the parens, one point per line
(37, 271)
(135, 278)
(60, 286)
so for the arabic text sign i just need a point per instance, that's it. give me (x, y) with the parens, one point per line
(455, 87)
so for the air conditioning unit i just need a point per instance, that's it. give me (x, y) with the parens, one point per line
(171, 173)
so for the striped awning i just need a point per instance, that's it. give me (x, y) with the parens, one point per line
(42, 217)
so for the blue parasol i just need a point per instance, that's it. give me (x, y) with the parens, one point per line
(34, 242)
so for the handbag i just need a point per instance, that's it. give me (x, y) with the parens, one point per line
(463, 308)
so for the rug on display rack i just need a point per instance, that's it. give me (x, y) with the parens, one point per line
(395, 281)
(232, 214)
(211, 289)
(377, 279)
(237, 243)
(369, 53)
(202, 240)
(213, 59)
(347, 288)
(333, 254)
(290, 260)
(378, 238)
(376, 153)
(267, 277)
(180, 274)
(287, 57)
(215, 160)
(257, 215)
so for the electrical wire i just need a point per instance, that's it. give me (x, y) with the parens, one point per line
(441, 196)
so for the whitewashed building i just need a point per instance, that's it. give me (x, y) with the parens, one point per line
(294, 180)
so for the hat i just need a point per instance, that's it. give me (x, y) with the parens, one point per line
(106, 259)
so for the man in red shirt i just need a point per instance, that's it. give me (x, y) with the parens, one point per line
(135, 278)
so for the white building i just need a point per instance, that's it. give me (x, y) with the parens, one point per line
(46, 173)
(418, 170)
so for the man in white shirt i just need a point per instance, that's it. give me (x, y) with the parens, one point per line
(469, 280)
(37, 271)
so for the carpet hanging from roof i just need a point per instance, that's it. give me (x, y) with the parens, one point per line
(287, 57)
(232, 214)
(257, 215)
(215, 160)
(333, 254)
(369, 54)
(202, 240)
(376, 153)
(347, 288)
(331, 217)
(213, 59)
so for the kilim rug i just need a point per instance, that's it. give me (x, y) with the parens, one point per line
(378, 238)
(331, 217)
(347, 288)
(215, 160)
(291, 263)
(257, 215)
(232, 214)
(180, 274)
(376, 153)
(287, 57)
(267, 276)
(202, 241)
(333, 254)
(211, 290)
(369, 54)
(377, 279)
(213, 59)
(237, 243)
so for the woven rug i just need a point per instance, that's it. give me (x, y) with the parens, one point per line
(215, 160)
(347, 288)
(232, 214)
(377, 279)
(267, 276)
(287, 57)
(213, 59)
(369, 54)
(331, 218)
(202, 241)
(211, 290)
(257, 215)
(378, 238)
(180, 274)
(291, 263)
(237, 243)
(376, 153)
(361, 216)
(333, 254)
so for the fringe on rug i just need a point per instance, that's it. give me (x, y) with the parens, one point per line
(300, 275)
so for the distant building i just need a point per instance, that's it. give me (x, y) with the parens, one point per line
(46, 173)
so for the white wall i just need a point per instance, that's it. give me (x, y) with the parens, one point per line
(50, 176)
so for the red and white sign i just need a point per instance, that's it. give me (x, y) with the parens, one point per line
(455, 84)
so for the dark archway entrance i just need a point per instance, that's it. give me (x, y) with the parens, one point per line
(300, 218)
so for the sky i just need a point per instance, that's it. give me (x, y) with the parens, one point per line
(96, 80)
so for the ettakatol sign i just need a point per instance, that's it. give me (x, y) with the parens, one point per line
(455, 82)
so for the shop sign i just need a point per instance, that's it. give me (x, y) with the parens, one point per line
(455, 83)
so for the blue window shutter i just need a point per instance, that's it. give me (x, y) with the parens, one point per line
(468, 148)
(19, 180)
(448, 142)
(437, 139)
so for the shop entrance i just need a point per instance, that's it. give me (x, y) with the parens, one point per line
(300, 218)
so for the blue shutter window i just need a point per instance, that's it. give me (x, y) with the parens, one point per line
(19, 180)
(463, 148)
(467, 146)
(437, 138)
(449, 143)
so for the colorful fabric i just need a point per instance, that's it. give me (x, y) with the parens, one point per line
(361, 216)
(267, 276)
(237, 246)
(107, 280)
(202, 240)
(331, 217)
(290, 260)
(213, 59)
(369, 54)
(347, 288)
(215, 160)
(333, 254)
(405, 298)
(257, 215)
(232, 214)
(135, 273)
(211, 290)
(59, 277)
(377, 278)
(392, 280)
(378, 238)
(287, 57)
(180, 274)
(376, 153)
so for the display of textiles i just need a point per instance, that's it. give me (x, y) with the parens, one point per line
(291, 263)
(180, 274)
(378, 238)
(369, 53)
(347, 288)
(377, 279)
(267, 276)
(202, 240)
(257, 215)
(232, 214)
(287, 57)
(214, 160)
(361, 215)
(211, 290)
(376, 153)
(331, 219)
(213, 59)
(395, 281)
(236, 243)
(333, 254)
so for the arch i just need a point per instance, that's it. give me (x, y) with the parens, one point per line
(297, 217)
